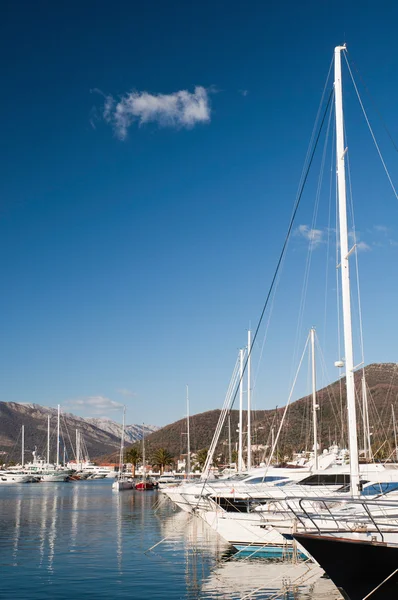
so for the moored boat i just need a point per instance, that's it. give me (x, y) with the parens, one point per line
(359, 568)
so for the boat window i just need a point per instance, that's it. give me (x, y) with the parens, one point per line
(266, 479)
(326, 479)
(380, 488)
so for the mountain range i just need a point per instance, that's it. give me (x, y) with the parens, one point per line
(100, 436)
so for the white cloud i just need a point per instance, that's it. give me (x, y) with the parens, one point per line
(381, 228)
(96, 405)
(363, 247)
(126, 392)
(179, 109)
(244, 92)
(313, 236)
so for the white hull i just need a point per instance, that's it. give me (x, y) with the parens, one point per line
(53, 478)
(10, 478)
(119, 486)
(241, 528)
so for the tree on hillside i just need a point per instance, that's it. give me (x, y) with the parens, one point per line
(201, 456)
(161, 458)
(133, 456)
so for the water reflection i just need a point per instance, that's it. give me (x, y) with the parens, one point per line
(62, 541)
(231, 577)
(17, 531)
(52, 533)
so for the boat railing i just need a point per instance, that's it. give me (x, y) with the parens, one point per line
(382, 515)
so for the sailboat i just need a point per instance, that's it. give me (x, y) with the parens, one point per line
(361, 557)
(122, 482)
(145, 484)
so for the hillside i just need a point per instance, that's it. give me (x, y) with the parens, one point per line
(382, 384)
(101, 436)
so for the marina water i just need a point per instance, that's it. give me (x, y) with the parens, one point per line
(81, 540)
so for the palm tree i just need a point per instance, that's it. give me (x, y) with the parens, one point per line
(161, 458)
(133, 456)
(201, 456)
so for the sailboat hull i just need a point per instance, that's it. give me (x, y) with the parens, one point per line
(119, 486)
(357, 568)
(145, 485)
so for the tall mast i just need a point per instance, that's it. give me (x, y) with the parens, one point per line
(240, 444)
(188, 439)
(143, 451)
(249, 407)
(48, 439)
(314, 403)
(122, 444)
(77, 449)
(395, 431)
(23, 446)
(345, 274)
(58, 435)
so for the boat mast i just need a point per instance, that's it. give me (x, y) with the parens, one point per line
(23, 446)
(240, 443)
(58, 436)
(122, 440)
(188, 439)
(77, 449)
(249, 408)
(314, 403)
(48, 439)
(143, 452)
(395, 431)
(345, 273)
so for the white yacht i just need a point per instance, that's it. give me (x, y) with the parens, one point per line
(7, 477)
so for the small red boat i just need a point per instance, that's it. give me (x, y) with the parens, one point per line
(145, 485)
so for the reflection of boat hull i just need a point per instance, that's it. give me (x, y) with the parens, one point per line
(356, 567)
(237, 579)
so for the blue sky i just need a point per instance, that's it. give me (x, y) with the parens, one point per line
(136, 251)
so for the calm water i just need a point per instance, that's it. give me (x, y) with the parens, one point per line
(81, 540)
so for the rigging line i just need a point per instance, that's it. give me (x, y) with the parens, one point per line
(287, 237)
(286, 407)
(339, 324)
(371, 130)
(374, 104)
(302, 177)
(328, 388)
(284, 246)
(329, 234)
(376, 416)
(354, 232)
(312, 243)
(266, 330)
(387, 401)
